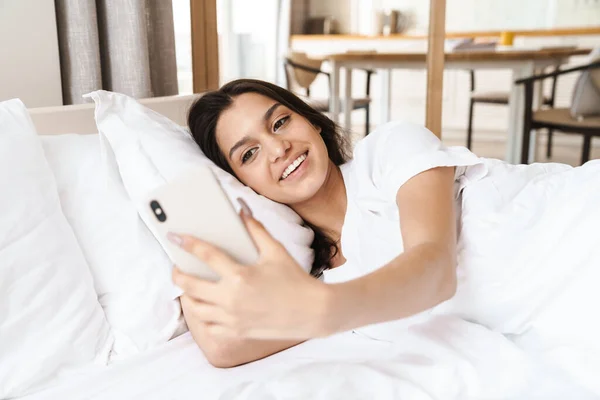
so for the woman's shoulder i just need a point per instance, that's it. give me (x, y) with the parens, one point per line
(398, 150)
(389, 147)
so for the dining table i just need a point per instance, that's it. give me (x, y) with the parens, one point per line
(523, 62)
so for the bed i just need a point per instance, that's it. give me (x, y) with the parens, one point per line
(178, 370)
(342, 367)
(440, 357)
(80, 118)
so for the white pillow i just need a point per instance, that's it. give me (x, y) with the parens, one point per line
(51, 324)
(131, 272)
(150, 150)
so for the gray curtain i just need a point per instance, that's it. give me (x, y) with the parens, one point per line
(125, 46)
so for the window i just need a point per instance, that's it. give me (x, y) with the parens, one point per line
(183, 45)
(248, 32)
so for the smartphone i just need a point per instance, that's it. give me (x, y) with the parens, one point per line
(195, 204)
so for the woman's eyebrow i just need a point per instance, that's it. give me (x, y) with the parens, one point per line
(239, 144)
(270, 112)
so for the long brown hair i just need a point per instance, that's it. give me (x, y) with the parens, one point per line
(202, 121)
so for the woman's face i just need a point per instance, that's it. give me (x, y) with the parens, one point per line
(273, 150)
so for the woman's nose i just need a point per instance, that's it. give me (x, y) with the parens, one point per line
(278, 147)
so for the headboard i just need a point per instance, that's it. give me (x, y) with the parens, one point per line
(80, 118)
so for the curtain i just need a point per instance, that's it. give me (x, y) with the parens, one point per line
(125, 46)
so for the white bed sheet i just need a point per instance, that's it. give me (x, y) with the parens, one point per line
(441, 358)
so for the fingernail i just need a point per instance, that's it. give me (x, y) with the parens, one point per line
(175, 239)
(245, 209)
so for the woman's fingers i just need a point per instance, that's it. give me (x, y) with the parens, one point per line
(203, 311)
(217, 322)
(197, 288)
(214, 257)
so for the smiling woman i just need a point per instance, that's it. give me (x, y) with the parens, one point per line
(387, 231)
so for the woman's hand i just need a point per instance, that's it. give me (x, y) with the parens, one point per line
(225, 351)
(273, 299)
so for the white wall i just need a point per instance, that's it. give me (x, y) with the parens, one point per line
(29, 65)
(576, 13)
(468, 15)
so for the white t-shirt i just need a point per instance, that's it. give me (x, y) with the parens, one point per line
(381, 164)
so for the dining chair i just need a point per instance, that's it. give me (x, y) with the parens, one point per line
(301, 71)
(501, 98)
(559, 119)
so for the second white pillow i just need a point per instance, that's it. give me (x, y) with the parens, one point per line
(131, 272)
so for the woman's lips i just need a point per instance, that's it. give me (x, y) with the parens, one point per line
(299, 171)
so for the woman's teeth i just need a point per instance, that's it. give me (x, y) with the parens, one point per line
(292, 167)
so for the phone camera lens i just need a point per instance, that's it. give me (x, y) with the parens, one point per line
(158, 211)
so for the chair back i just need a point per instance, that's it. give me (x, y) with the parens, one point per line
(585, 100)
(299, 78)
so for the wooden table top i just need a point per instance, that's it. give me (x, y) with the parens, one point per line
(578, 31)
(471, 55)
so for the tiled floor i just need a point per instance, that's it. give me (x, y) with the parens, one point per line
(492, 144)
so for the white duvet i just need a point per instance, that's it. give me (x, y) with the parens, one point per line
(523, 324)
(442, 358)
(529, 270)
(529, 262)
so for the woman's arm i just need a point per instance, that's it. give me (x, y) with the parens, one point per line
(276, 299)
(421, 277)
(227, 352)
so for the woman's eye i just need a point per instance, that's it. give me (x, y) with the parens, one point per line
(279, 123)
(247, 155)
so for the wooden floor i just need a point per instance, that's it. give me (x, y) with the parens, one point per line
(566, 148)
(492, 144)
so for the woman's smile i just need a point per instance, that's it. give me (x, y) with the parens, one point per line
(296, 169)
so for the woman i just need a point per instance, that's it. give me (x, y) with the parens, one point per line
(375, 269)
